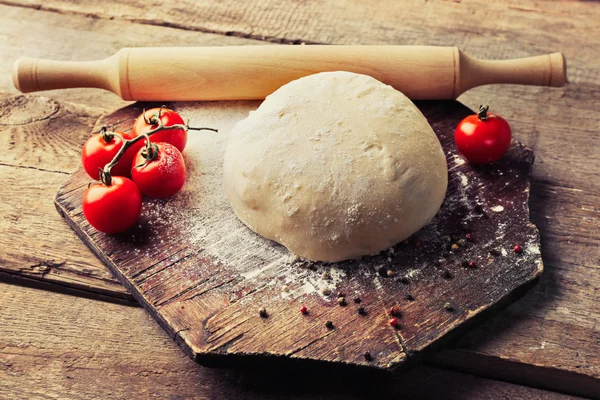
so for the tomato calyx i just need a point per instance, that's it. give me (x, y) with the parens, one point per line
(483, 110)
(149, 153)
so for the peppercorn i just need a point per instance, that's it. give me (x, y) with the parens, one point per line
(263, 313)
(329, 325)
(394, 322)
(472, 264)
(394, 311)
(361, 310)
(304, 310)
(469, 237)
(390, 273)
(409, 297)
(461, 242)
(517, 249)
(454, 247)
(448, 307)
(368, 356)
(357, 300)
(341, 301)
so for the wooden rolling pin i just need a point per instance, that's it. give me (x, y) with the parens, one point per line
(253, 72)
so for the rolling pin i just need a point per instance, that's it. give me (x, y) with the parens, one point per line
(253, 72)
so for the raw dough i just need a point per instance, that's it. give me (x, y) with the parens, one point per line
(335, 166)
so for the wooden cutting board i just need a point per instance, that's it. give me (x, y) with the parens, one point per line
(204, 276)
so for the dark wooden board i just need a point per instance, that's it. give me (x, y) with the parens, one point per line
(204, 276)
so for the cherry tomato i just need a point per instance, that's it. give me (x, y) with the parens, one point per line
(97, 152)
(112, 208)
(162, 176)
(177, 137)
(483, 138)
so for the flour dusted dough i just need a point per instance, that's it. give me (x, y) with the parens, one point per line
(335, 166)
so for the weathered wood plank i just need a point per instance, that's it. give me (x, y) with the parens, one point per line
(57, 346)
(566, 26)
(35, 33)
(36, 243)
(43, 140)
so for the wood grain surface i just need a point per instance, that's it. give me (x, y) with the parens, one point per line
(118, 352)
(204, 276)
(546, 339)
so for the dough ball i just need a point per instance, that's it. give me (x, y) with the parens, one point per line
(335, 166)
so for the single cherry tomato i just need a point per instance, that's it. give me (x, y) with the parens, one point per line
(177, 137)
(101, 148)
(112, 208)
(159, 171)
(483, 138)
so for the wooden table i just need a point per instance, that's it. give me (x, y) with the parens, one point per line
(69, 330)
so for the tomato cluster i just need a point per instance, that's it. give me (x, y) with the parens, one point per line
(151, 164)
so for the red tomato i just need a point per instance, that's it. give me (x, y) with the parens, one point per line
(483, 138)
(112, 208)
(97, 152)
(177, 137)
(160, 177)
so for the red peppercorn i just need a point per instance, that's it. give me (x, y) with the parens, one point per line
(469, 237)
(304, 310)
(472, 264)
(394, 322)
(518, 249)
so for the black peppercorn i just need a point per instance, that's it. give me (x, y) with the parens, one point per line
(329, 325)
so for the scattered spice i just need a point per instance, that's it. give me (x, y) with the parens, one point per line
(409, 297)
(517, 249)
(394, 322)
(341, 301)
(329, 325)
(341, 294)
(454, 247)
(448, 307)
(304, 310)
(447, 274)
(494, 253)
(461, 242)
(382, 271)
(465, 263)
(368, 356)
(390, 273)
(263, 313)
(357, 300)
(361, 310)
(325, 291)
(325, 275)
(446, 239)
(469, 237)
(472, 264)
(404, 280)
